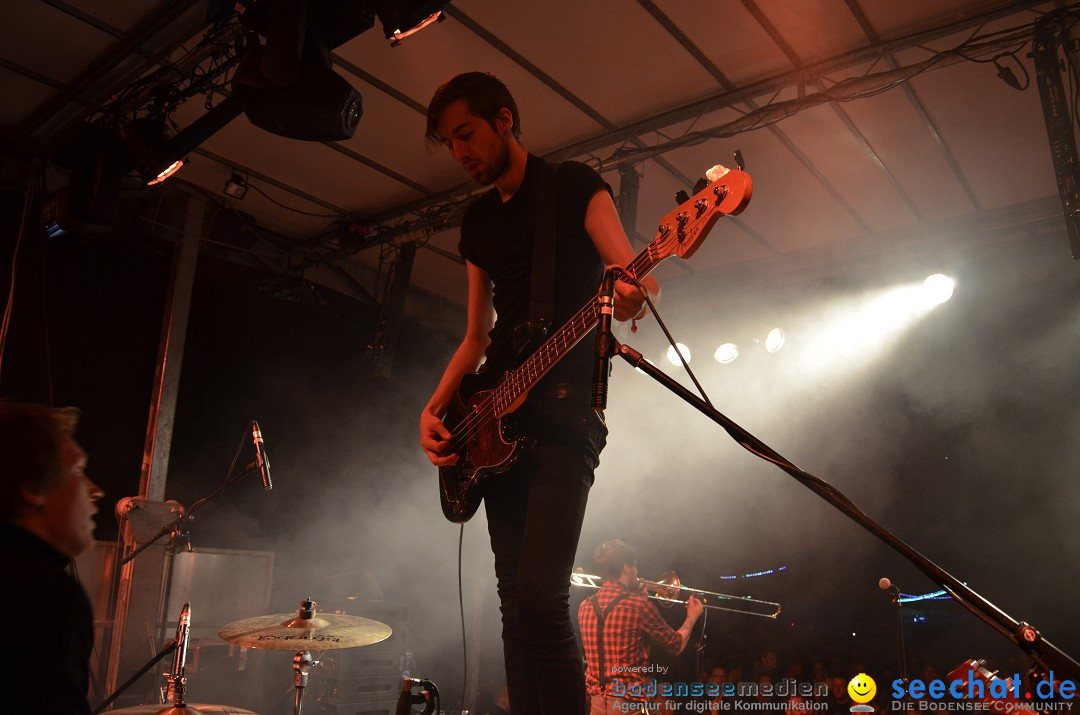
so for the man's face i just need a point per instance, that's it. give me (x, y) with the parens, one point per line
(483, 150)
(67, 509)
(717, 675)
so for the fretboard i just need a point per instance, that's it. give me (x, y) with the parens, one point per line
(522, 379)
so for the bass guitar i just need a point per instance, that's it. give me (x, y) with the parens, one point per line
(476, 419)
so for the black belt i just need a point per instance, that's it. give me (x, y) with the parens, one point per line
(578, 392)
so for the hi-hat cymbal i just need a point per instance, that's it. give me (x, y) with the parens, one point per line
(287, 631)
(188, 709)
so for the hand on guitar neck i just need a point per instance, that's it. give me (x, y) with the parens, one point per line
(630, 299)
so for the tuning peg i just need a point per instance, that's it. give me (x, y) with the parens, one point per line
(739, 160)
(681, 197)
(700, 185)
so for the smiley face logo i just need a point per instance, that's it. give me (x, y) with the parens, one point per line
(862, 688)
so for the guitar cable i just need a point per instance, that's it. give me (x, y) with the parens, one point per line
(464, 639)
(812, 482)
(632, 280)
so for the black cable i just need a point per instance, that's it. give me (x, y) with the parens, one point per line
(45, 323)
(291, 208)
(464, 640)
(28, 205)
(627, 278)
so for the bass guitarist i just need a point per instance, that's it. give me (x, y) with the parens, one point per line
(535, 508)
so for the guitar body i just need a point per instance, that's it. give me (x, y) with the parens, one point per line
(477, 421)
(488, 451)
(488, 445)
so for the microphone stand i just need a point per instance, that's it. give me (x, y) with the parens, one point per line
(605, 339)
(169, 648)
(177, 529)
(1023, 635)
(895, 596)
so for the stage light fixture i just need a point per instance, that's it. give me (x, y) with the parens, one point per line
(402, 19)
(236, 186)
(938, 288)
(146, 145)
(673, 357)
(320, 106)
(775, 340)
(726, 353)
(167, 172)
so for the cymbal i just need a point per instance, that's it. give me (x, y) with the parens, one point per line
(188, 709)
(287, 631)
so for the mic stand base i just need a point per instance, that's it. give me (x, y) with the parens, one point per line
(1022, 635)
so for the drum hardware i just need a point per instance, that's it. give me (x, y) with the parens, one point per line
(303, 632)
(187, 709)
(180, 642)
(667, 591)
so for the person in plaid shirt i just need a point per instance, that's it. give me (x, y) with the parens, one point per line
(617, 624)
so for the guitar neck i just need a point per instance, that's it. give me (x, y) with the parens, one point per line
(522, 379)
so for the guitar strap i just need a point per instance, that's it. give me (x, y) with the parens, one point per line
(542, 291)
(601, 616)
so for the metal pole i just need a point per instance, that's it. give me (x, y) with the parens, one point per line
(159, 428)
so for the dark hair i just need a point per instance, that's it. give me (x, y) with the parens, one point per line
(483, 93)
(611, 556)
(31, 439)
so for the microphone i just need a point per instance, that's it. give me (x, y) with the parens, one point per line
(886, 585)
(262, 462)
(604, 339)
(180, 660)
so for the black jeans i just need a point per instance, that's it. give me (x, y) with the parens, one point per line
(534, 512)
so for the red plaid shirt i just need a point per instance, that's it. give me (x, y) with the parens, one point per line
(628, 629)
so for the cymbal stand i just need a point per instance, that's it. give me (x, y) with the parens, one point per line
(303, 662)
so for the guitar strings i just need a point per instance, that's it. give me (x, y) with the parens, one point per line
(481, 414)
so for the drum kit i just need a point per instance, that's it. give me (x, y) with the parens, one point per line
(305, 631)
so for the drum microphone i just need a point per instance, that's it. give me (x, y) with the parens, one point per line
(262, 462)
(180, 660)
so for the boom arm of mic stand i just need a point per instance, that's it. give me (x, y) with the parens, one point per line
(1022, 635)
(169, 648)
(190, 514)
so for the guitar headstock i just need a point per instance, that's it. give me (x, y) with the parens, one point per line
(681, 231)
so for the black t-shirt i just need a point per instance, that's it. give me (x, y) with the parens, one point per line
(46, 629)
(498, 237)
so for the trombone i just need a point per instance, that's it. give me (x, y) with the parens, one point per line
(669, 588)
